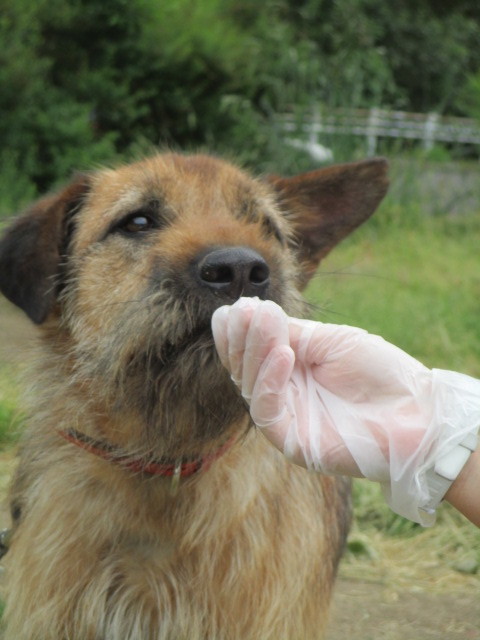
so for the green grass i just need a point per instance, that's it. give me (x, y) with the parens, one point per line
(417, 285)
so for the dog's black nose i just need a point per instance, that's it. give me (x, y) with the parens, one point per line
(234, 272)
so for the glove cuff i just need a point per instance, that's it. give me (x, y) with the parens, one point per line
(445, 471)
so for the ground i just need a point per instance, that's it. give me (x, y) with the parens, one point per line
(372, 611)
(398, 593)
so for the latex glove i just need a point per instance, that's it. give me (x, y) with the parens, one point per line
(339, 400)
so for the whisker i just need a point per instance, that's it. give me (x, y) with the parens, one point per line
(346, 272)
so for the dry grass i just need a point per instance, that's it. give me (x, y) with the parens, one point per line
(444, 558)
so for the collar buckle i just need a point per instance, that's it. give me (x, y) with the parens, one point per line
(176, 475)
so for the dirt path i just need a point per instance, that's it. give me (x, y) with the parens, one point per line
(370, 611)
(371, 607)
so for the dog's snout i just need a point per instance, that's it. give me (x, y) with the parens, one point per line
(234, 272)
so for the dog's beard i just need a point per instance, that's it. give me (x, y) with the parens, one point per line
(155, 363)
(185, 394)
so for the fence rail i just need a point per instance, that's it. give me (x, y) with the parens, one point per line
(377, 123)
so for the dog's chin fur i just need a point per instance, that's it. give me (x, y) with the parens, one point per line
(155, 391)
(181, 410)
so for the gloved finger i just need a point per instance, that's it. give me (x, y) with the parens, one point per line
(282, 412)
(318, 342)
(219, 330)
(268, 329)
(353, 363)
(268, 406)
(239, 318)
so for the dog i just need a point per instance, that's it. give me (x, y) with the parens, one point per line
(146, 506)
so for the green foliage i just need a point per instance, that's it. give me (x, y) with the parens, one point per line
(469, 96)
(429, 51)
(84, 82)
(45, 131)
(412, 55)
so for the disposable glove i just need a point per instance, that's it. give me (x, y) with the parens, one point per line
(338, 400)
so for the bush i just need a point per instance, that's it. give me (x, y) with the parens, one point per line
(83, 82)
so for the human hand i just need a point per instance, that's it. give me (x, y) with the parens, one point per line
(339, 400)
(314, 387)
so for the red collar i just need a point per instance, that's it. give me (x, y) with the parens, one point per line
(176, 470)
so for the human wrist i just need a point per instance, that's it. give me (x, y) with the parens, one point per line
(457, 407)
(419, 485)
(464, 493)
(443, 473)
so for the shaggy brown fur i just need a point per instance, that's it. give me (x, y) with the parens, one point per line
(122, 271)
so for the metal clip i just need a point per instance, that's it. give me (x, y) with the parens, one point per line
(177, 472)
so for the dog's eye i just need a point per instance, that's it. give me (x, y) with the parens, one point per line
(137, 222)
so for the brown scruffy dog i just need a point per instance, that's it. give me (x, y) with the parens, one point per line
(145, 505)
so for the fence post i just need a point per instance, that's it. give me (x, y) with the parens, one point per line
(429, 131)
(315, 127)
(372, 132)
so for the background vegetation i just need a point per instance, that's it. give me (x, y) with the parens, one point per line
(84, 82)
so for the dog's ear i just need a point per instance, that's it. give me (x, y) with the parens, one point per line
(327, 204)
(32, 248)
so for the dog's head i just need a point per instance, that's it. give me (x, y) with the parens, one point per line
(124, 268)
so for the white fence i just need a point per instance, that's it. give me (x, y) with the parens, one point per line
(377, 123)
